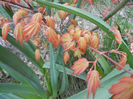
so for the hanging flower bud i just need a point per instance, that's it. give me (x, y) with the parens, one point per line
(50, 22)
(62, 14)
(117, 35)
(93, 78)
(95, 41)
(36, 41)
(18, 32)
(19, 15)
(53, 37)
(82, 44)
(37, 17)
(66, 57)
(31, 30)
(122, 61)
(77, 34)
(87, 38)
(80, 66)
(37, 55)
(5, 30)
(15, 1)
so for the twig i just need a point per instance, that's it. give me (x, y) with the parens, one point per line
(113, 12)
(18, 5)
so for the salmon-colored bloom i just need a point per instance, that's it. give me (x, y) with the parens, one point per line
(31, 30)
(71, 27)
(80, 66)
(50, 22)
(52, 36)
(5, 30)
(66, 57)
(67, 42)
(93, 78)
(123, 89)
(37, 17)
(77, 34)
(37, 54)
(36, 41)
(75, 1)
(122, 61)
(95, 41)
(82, 44)
(117, 35)
(18, 32)
(62, 14)
(19, 15)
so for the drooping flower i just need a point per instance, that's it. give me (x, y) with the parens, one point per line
(36, 41)
(62, 14)
(77, 52)
(93, 79)
(74, 22)
(117, 35)
(5, 30)
(77, 34)
(19, 15)
(50, 22)
(122, 61)
(123, 89)
(31, 30)
(52, 36)
(87, 35)
(80, 66)
(18, 32)
(37, 17)
(15, 1)
(66, 57)
(67, 41)
(95, 41)
(37, 55)
(82, 44)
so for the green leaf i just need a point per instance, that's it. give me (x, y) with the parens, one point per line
(60, 68)
(53, 72)
(9, 96)
(88, 16)
(16, 89)
(3, 11)
(106, 83)
(19, 70)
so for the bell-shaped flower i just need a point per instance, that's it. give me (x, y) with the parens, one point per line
(31, 30)
(37, 55)
(62, 14)
(82, 44)
(37, 17)
(5, 30)
(93, 79)
(66, 57)
(18, 32)
(80, 66)
(50, 22)
(123, 89)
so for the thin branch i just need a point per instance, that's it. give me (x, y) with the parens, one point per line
(16, 5)
(113, 12)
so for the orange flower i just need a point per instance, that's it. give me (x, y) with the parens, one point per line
(95, 41)
(77, 34)
(67, 42)
(74, 22)
(62, 14)
(19, 15)
(123, 89)
(71, 27)
(82, 44)
(80, 66)
(18, 32)
(87, 35)
(122, 61)
(36, 41)
(5, 30)
(66, 57)
(93, 82)
(37, 17)
(75, 1)
(50, 22)
(53, 37)
(117, 35)
(15, 1)
(31, 30)
(37, 54)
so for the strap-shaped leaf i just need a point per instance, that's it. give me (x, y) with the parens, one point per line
(88, 16)
(19, 70)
